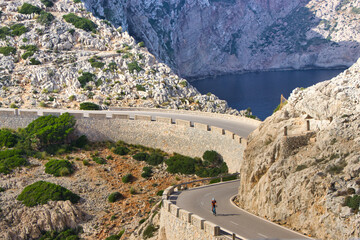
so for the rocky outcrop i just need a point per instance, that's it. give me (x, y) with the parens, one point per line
(122, 72)
(220, 36)
(302, 179)
(19, 222)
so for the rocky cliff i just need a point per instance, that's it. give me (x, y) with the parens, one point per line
(309, 180)
(47, 61)
(219, 36)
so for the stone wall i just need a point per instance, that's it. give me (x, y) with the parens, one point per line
(163, 133)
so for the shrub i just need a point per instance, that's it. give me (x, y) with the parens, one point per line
(142, 156)
(79, 22)
(77, 1)
(149, 231)
(7, 138)
(147, 171)
(41, 192)
(5, 31)
(155, 159)
(27, 8)
(336, 169)
(13, 105)
(115, 196)
(181, 164)
(127, 178)
(10, 159)
(66, 234)
(34, 61)
(183, 83)
(116, 236)
(85, 78)
(99, 160)
(121, 150)
(350, 191)
(47, 3)
(132, 191)
(212, 157)
(48, 130)
(225, 179)
(98, 64)
(132, 66)
(300, 167)
(59, 167)
(160, 193)
(45, 18)
(86, 163)
(141, 44)
(26, 55)
(18, 29)
(140, 87)
(352, 202)
(30, 50)
(2, 189)
(89, 106)
(112, 66)
(81, 141)
(6, 51)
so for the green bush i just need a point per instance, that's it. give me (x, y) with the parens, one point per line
(146, 173)
(7, 138)
(98, 64)
(27, 8)
(30, 50)
(26, 55)
(121, 150)
(77, 1)
(141, 44)
(59, 167)
(212, 157)
(116, 236)
(99, 160)
(127, 178)
(18, 29)
(115, 196)
(132, 66)
(66, 234)
(155, 159)
(41, 192)
(181, 164)
(86, 163)
(160, 193)
(89, 106)
(5, 31)
(34, 61)
(225, 179)
(47, 131)
(132, 191)
(79, 22)
(10, 159)
(149, 231)
(81, 141)
(2, 189)
(140, 87)
(47, 3)
(6, 51)
(45, 18)
(85, 78)
(352, 202)
(112, 66)
(141, 156)
(300, 167)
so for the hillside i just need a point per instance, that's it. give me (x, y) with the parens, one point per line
(309, 180)
(209, 37)
(61, 55)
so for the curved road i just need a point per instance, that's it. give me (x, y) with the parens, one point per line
(229, 217)
(241, 127)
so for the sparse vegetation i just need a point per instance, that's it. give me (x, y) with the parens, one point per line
(94, 61)
(116, 236)
(89, 106)
(45, 18)
(66, 234)
(79, 22)
(140, 87)
(142, 156)
(115, 196)
(34, 61)
(30, 50)
(10, 159)
(99, 160)
(160, 193)
(121, 150)
(149, 231)
(147, 172)
(338, 168)
(127, 178)
(6, 51)
(18, 29)
(47, 3)
(132, 66)
(141, 44)
(352, 202)
(41, 192)
(85, 78)
(27, 8)
(59, 167)
(300, 167)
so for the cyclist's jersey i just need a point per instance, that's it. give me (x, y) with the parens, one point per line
(213, 203)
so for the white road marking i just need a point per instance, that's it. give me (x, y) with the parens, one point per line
(262, 235)
(234, 223)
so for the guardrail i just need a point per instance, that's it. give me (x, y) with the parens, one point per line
(192, 218)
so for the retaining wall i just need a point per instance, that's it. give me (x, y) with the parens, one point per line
(166, 134)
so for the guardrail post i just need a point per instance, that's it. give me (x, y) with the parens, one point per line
(285, 131)
(233, 236)
(308, 125)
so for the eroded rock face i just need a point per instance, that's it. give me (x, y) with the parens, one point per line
(302, 180)
(206, 37)
(19, 222)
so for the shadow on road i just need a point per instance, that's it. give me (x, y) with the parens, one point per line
(227, 214)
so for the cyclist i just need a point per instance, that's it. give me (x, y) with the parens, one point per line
(213, 204)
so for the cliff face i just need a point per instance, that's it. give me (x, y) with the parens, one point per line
(304, 179)
(217, 36)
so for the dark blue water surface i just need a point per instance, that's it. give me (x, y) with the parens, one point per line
(260, 91)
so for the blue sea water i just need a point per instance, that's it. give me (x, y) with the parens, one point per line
(260, 91)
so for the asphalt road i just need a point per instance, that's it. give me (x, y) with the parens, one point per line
(230, 217)
(241, 128)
